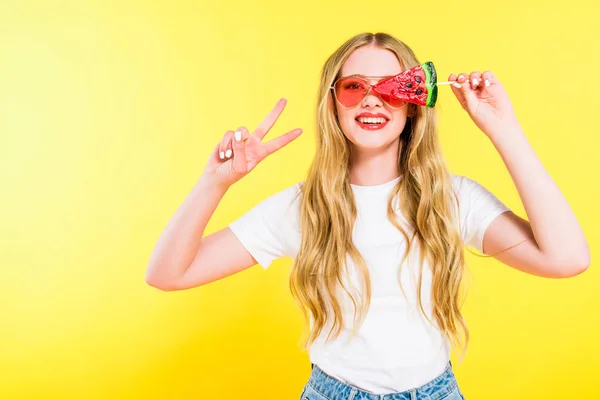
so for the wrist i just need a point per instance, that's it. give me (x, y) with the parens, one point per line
(507, 134)
(209, 181)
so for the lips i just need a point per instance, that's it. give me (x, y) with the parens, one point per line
(371, 115)
(371, 127)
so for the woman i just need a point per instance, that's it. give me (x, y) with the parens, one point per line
(377, 229)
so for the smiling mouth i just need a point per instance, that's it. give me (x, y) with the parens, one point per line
(371, 126)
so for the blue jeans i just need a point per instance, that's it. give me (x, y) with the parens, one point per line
(321, 386)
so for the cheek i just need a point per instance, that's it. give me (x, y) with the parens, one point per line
(399, 115)
(399, 120)
(346, 119)
(346, 128)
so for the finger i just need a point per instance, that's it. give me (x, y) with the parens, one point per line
(489, 79)
(239, 150)
(214, 155)
(225, 151)
(464, 93)
(223, 146)
(277, 143)
(475, 79)
(266, 125)
(458, 81)
(243, 134)
(455, 87)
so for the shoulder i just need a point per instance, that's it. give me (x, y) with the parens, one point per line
(475, 197)
(467, 190)
(286, 196)
(283, 202)
(275, 213)
(465, 186)
(459, 182)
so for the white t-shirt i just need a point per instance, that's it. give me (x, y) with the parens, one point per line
(396, 349)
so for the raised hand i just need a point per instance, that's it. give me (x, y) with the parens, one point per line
(238, 153)
(484, 98)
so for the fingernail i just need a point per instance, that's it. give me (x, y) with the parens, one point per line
(457, 85)
(222, 155)
(228, 154)
(238, 136)
(487, 83)
(475, 82)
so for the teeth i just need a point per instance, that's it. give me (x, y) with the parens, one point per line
(365, 120)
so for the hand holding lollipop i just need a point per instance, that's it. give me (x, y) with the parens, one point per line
(484, 99)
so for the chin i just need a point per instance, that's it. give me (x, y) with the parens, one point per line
(372, 140)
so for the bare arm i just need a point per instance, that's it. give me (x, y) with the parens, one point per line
(182, 257)
(179, 243)
(557, 247)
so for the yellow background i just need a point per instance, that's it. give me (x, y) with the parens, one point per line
(108, 112)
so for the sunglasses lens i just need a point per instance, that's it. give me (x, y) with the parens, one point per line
(393, 101)
(350, 91)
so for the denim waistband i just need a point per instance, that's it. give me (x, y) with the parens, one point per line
(335, 389)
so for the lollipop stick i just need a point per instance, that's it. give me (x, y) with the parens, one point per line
(449, 83)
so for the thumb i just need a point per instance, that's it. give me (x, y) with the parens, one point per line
(240, 165)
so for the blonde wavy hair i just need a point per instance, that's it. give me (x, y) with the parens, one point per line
(328, 212)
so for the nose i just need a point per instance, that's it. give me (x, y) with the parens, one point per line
(372, 98)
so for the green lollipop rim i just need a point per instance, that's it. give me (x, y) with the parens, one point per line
(431, 83)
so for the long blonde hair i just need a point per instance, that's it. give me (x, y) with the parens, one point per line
(328, 212)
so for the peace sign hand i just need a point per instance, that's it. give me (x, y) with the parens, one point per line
(239, 153)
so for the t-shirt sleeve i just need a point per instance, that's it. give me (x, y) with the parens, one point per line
(264, 229)
(478, 208)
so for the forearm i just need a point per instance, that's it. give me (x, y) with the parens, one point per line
(557, 232)
(179, 242)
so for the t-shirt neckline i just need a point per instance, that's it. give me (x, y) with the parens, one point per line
(375, 188)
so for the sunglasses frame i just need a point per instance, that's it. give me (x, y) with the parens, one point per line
(366, 79)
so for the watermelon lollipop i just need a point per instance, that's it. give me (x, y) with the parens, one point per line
(416, 85)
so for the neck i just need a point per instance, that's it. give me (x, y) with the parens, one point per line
(369, 167)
